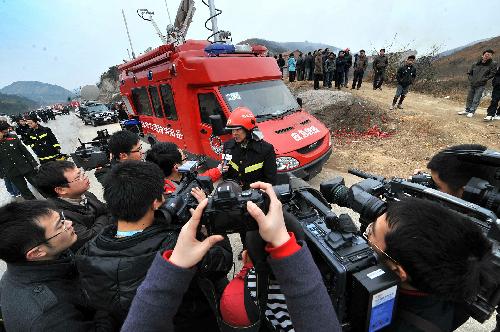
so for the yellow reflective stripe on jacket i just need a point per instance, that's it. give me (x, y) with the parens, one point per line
(49, 157)
(31, 145)
(33, 137)
(42, 135)
(234, 165)
(254, 167)
(57, 145)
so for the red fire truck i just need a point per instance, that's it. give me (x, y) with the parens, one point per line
(185, 93)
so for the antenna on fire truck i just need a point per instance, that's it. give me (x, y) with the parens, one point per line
(219, 36)
(142, 12)
(128, 34)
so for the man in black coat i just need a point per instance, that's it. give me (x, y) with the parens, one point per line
(380, 64)
(16, 162)
(40, 291)
(405, 76)
(494, 109)
(340, 65)
(66, 186)
(42, 141)
(114, 264)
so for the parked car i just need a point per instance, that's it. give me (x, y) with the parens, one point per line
(98, 114)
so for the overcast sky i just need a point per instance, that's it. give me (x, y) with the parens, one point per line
(71, 42)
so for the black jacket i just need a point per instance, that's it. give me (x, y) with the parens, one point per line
(380, 63)
(439, 312)
(112, 268)
(47, 296)
(44, 143)
(255, 162)
(15, 159)
(340, 65)
(480, 72)
(87, 220)
(23, 132)
(406, 75)
(101, 173)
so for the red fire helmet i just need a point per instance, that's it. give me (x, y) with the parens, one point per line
(241, 117)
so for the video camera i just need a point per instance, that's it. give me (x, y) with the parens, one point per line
(369, 196)
(93, 154)
(362, 291)
(226, 211)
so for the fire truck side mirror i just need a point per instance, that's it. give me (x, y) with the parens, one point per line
(299, 101)
(217, 125)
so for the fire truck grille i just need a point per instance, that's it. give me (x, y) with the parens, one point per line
(310, 147)
(284, 130)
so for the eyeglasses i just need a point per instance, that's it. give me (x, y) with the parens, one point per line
(366, 234)
(62, 219)
(139, 149)
(81, 175)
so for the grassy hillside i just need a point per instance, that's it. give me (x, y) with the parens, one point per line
(12, 104)
(42, 93)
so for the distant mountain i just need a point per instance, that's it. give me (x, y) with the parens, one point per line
(456, 49)
(12, 104)
(42, 93)
(456, 65)
(281, 47)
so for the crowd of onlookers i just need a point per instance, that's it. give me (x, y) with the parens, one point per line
(334, 70)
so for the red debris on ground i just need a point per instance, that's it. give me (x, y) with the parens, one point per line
(346, 136)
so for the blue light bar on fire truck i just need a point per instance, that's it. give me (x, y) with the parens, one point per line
(217, 49)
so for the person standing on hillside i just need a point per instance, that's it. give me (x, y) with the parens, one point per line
(348, 65)
(405, 76)
(318, 68)
(330, 69)
(292, 66)
(359, 69)
(494, 109)
(281, 63)
(308, 66)
(340, 65)
(324, 57)
(479, 74)
(379, 65)
(300, 68)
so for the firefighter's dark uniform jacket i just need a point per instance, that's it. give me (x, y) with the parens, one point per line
(254, 162)
(44, 143)
(15, 159)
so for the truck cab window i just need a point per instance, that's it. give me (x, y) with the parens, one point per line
(141, 101)
(155, 100)
(209, 106)
(168, 102)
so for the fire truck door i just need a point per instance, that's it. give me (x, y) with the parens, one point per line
(209, 105)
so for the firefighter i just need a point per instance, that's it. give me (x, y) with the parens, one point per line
(42, 141)
(249, 157)
(252, 159)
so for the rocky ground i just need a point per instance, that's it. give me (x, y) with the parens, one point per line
(426, 125)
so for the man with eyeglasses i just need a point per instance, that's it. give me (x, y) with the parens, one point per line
(67, 187)
(441, 257)
(40, 291)
(123, 145)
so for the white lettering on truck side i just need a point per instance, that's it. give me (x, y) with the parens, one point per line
(163, 130)
(303, 133)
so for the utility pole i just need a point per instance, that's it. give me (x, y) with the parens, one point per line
(213, 19)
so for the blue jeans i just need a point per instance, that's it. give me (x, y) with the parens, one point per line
(474, 98)
(11, 188)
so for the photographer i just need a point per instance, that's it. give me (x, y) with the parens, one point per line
(159, 295)
(123, 145)
(40, 291)
(451, 174)
(440, 264)
(66, 186)
(114, 264)
(169, 158)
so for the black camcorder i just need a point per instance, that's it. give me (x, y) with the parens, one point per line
(363, 292)
(93, 154)
(226, 211)
(369, 196)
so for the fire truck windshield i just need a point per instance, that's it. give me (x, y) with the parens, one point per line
(265, 99)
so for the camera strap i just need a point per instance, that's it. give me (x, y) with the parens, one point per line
(417, 321)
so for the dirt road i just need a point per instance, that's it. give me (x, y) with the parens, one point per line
(425, 126)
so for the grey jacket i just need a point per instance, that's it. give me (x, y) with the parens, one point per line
(479, 73)
(380, 63)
